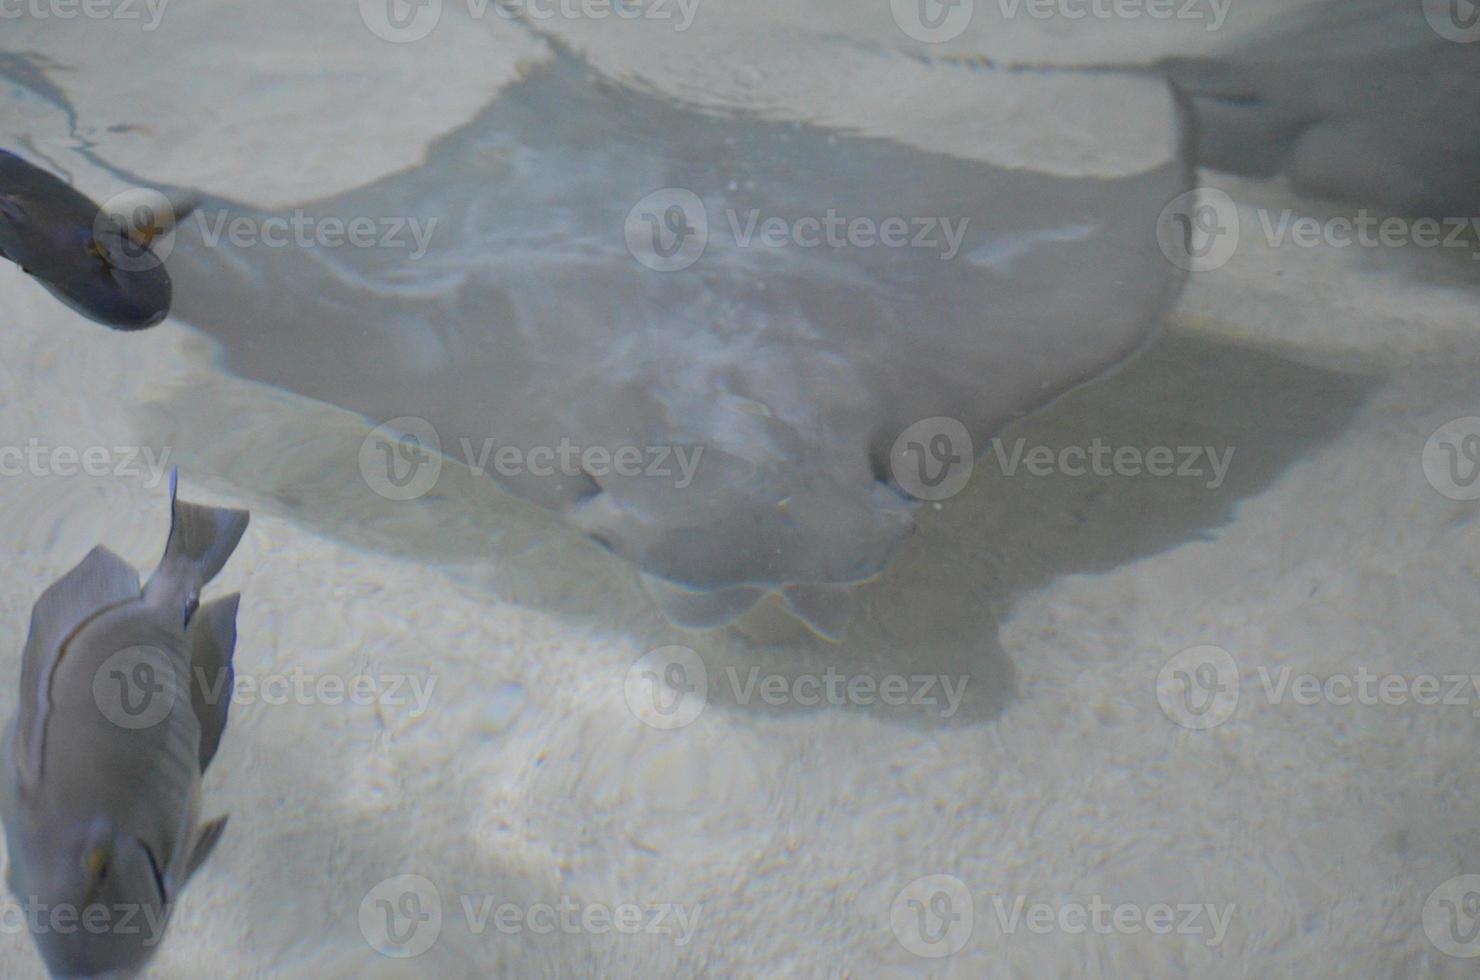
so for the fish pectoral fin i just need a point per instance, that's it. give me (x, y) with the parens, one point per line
(211, 640)
(206, 839)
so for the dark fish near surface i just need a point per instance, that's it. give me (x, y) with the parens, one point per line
(98, 264)
(103, 760)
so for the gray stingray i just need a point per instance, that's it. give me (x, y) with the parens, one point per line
(529, 321)
(1356, 100)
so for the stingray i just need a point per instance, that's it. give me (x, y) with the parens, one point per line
(552, 306)
(1366, 101)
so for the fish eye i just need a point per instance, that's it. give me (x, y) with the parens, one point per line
(97, 862)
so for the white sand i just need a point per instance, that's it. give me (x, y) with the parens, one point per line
(792, 830)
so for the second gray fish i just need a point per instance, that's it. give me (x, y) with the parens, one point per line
(123, 698)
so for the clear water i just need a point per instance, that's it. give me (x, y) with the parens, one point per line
(1178, 680)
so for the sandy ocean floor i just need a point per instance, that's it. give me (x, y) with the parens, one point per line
(1064, 798)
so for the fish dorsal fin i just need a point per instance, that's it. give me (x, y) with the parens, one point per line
(99, 581)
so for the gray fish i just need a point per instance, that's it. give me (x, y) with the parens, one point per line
(104, 758)
(90, 260)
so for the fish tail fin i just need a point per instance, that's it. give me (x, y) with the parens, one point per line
(201, 539)
(211, 640)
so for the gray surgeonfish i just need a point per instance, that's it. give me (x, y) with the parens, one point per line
(99, 265)
(122, 701)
